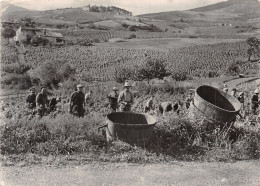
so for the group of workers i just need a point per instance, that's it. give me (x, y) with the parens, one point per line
(40, 101)
(254, 101)
(78, 101)
(118, 101)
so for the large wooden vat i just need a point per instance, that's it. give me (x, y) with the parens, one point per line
(130, 127)
(215, 105)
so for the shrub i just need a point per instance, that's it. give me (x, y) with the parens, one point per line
(51, 73)
(16, 68)
(123, 74)
(125, 25)
(179, 76)
(8, 33)
(18, 81)
(234, 69)
(155, 68)
(132, 36)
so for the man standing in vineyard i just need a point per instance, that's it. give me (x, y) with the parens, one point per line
(88, 99)
(113, 96)
(21, 51)
(42, 101)
(31, 99)
(126, 98)
(234, 92)
(149, 105)
(77, 102)
(255, 101)
(189, 100)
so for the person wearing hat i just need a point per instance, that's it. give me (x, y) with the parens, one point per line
(225, 88)
(88, 98)
(31, 99)
(241, 98)
(149, 104)
(189, 100)
(255, 101)
(42, 101)
(126, 98)
(234, 92)
(77, 102)
(112, 98)
(53, 103)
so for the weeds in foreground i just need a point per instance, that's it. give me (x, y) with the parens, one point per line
(174, 139)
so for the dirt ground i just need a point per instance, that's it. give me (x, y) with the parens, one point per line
(176, 173)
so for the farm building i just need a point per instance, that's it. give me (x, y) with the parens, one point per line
(54, 37)
(86, 8)
(25, 34)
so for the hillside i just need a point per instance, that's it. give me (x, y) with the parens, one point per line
(232, 6)
(224, 10)
(8, 10)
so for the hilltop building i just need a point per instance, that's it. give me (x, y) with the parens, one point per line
(86, 8)
(120, 10)
(111, 9)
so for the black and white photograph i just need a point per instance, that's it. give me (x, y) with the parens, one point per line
(130, 92)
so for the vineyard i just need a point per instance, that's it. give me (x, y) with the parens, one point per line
(200, 61)
(103, 36)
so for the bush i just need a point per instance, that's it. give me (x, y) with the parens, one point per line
(179, 76)
(125, 25)
(8, 33)
(16, 68)
(132, 36)
(16, 81)
(51, 73)
(155, 68)
(123, 74)
(234, 69)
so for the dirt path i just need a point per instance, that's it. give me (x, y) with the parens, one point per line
(236, 82)
(176, 173)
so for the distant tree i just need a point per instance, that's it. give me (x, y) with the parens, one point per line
(8, 33)
(253, 43)
(153, 68)
(125, 25)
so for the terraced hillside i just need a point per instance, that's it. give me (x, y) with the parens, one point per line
(200, 61)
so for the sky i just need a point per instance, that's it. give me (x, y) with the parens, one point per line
(135, 6)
